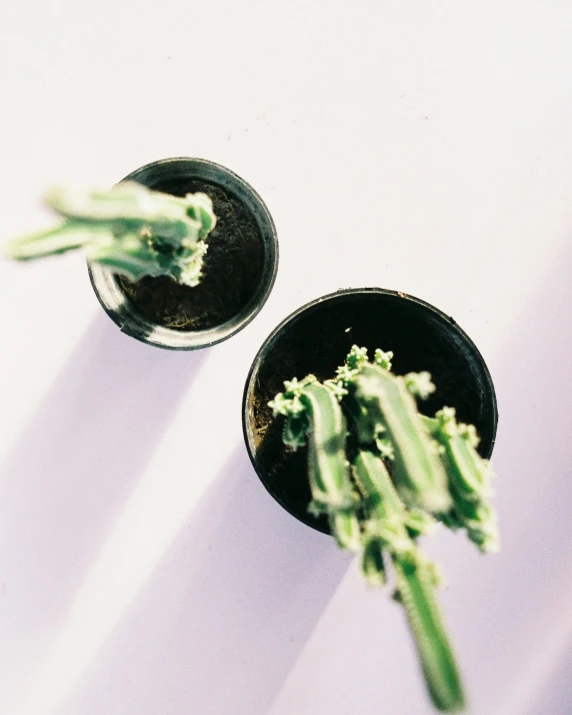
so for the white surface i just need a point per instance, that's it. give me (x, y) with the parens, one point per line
(421, 146)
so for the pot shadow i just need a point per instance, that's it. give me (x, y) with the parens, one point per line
(66, 479)
(222, 619)
(520, 599)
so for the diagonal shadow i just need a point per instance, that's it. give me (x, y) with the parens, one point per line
(224, 616)
(532, 624)
(517, 601)
(554, 697)
(66, 479)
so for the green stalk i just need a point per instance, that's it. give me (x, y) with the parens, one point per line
(418, 475)
(469, 479)
(61, 238)
(416, 592)
(415, 580)
(129, 207)
(128, 256)
(328, 467)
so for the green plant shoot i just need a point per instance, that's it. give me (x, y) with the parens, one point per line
(386, 531)
(130, 229)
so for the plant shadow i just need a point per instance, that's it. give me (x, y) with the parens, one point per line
(222, 619)
(69, 474)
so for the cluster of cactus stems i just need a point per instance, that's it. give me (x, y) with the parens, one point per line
(130, 229)
(384, 475)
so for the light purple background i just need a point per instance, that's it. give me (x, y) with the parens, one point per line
(418, 146)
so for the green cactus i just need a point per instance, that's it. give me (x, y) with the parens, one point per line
(130, 229)
(384, 475)
(328, 468)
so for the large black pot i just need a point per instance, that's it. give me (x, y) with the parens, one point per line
(317, 337)
(176, 176)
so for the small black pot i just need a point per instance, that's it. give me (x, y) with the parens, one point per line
(317, 337)
(176, 176)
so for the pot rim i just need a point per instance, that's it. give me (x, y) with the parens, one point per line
(120, 309)
(313, 304)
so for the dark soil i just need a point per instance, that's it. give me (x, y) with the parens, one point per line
(319, 341)
(231, 274)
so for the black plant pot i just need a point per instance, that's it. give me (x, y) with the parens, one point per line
(317, 337)
(240, 265)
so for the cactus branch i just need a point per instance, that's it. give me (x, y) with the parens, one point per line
(469, 478)
(418, 475)
(414, 583)
(312, 411)
(329, 472)
(130, 229)
(414, 580)
(128, 255)
(59, 239)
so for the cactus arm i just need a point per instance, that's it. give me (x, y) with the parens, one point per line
(329, 472)
(199, 207)
(469, 479)
(471, 472)
(480, 522)
(380, 498)
(131, 207)
(313, 415)
(328, 468)
(373, 564)
(414, 575)
(418, 474)
(128, 256)
(419, 522)
(59, 239)
(382, 509)
(416, 591)
(346, 530)
(364, 429)
(327, 459)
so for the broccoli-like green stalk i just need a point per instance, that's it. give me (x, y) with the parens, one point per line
(406, 472)
(130, 229)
